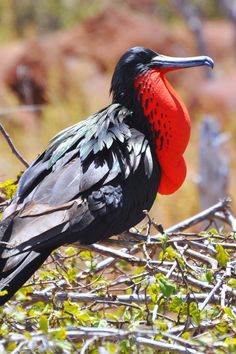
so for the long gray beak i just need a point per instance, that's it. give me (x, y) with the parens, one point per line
(163, 61)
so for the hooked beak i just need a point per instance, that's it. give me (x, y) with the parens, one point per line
(162, 61)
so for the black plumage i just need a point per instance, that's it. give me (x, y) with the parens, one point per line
(93, 181)
(84, 187)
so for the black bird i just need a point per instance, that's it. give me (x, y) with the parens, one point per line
(96, 177)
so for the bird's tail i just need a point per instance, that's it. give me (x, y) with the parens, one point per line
(16, 269)
(24, 265)
(28, 236)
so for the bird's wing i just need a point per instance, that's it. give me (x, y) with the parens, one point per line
(72, 182)
(84, 187)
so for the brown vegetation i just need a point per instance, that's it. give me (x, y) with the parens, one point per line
(92, 48)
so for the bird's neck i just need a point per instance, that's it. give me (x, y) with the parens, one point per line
(169, 124)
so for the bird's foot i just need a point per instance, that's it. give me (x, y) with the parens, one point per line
(151, 222)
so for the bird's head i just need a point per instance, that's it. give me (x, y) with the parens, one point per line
(139, 83)
(138, 61)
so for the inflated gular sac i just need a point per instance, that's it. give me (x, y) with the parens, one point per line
(170, 124)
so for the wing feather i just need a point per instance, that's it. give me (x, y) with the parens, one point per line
(49, 190)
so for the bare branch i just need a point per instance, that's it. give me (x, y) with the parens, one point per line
(139, 336)
(207, 214)
(213, 291)
(23, 108)
(163, 346)
(12, 146)
(113, 299)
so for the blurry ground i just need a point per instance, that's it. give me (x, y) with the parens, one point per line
(63, 65)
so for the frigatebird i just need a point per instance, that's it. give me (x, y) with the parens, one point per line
(95, 178)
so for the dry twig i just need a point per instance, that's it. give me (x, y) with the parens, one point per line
(12, 146)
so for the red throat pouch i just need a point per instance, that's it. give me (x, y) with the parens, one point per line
(170, 124)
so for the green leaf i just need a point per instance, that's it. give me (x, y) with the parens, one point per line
(3, 292)
(27, 335)
(164, 239)
(11, 346)
(166, 287)
(210, 277)
(232, 283)
(71, 275)
(72, 308)
(43, 324)
(186, 335)
(112, 316)
(213, 231)
(222, 327)
(176, 303)
(139, 270)
(70, 251)
(231, 344)
(60, 334)
(161, 325)
(229, 312)
(8, 188)
(111, 347)
(170, 254)
(127, 315)
(154, 291)
(194, 312)
(86, 254)
(222, 256)
(125, 346)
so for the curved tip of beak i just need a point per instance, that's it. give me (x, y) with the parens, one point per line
(209, 62)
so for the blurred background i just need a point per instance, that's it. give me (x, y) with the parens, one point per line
(56, 62)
